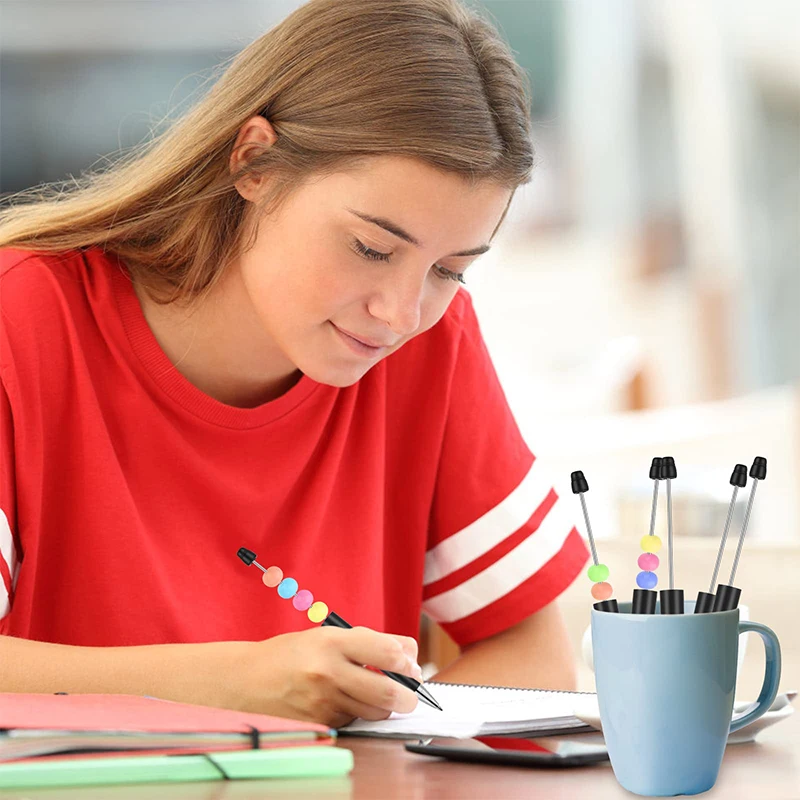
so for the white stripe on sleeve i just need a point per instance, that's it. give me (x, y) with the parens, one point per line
(9, 555)
(506, 573)
(489, 530)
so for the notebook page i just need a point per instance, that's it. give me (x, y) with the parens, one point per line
(472, 710)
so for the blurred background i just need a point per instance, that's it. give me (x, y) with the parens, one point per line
(643, 297)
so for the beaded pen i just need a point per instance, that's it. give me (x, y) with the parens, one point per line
(601, 591)
(318, 611)
(644, 599)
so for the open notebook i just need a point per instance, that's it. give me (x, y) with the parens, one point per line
(486, 710)
(480, 710)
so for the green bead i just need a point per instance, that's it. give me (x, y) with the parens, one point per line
(598, 572)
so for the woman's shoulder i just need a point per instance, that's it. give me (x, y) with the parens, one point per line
(29, 278)
(36, 278)
(41, 296)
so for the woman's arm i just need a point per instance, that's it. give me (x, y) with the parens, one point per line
(316, 674)
(535, 653)
(186, 672)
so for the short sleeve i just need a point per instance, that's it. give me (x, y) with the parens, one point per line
(8, 548)
(501, 543)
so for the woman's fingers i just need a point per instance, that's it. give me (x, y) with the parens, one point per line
(364, 646)
(409, 645)
(375, 690)
(352, 708)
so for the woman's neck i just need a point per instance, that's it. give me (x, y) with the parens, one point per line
(220, 346)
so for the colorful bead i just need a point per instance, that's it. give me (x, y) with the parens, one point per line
(598, 572)
(602, 591)
(646, 580)
(303, 600)
(648, 561)
(650, 544)
(287, 588)
(318, 612)
(272, 577)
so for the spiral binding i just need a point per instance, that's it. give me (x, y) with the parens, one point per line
(506, 688)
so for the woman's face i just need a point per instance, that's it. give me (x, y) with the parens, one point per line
(355, 264)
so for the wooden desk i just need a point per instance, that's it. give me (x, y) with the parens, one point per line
(767, 770)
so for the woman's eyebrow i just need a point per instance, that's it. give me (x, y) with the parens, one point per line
(392, 228)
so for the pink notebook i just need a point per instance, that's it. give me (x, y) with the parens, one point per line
(45, 724)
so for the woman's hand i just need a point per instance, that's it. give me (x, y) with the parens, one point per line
(319, 675)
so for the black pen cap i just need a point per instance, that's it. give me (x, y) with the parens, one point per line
(248, 556)
(655, 470)
(727, 597)
(672, 601)
(579, 483)
(759, 468)
(609, 605)
(644, 601)
(668, 469)
(704, 604)
(739, 476)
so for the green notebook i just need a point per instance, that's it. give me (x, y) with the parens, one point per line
(284, 762)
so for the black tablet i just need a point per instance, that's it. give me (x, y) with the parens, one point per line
(509, 750)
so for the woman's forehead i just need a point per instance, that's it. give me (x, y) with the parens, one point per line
(398, 189)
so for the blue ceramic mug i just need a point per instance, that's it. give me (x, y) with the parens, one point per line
(665, 687)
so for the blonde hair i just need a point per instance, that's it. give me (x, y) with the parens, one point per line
(339, 80)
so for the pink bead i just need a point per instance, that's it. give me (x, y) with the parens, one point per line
(602, 591)
(303, 600)
(648, 562)
(272, 577)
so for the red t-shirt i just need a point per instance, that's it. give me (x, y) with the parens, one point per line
(127, 491)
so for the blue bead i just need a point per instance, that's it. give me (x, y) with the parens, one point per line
(646, 580)
(287, 588)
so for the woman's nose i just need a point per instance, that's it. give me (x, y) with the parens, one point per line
(399, 305)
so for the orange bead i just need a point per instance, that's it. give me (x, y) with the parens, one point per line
(602, 591)
(272, 577)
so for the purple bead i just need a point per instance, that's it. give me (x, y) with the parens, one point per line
(646, 580)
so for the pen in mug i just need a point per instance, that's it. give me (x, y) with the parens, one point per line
(727, 595)
(318, 612)
(602, 589)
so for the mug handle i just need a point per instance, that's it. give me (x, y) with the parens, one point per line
(772, 675)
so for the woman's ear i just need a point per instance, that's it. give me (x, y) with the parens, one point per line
(255, 136)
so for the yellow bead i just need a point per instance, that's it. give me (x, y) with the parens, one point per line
(317, 612)
(650, 544)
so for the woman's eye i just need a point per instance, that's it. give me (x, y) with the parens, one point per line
(367, 252)
(449, 275)
(376, 255)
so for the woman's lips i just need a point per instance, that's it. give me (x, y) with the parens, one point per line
(359, 345)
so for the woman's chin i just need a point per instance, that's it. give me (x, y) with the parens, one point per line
(341, 376)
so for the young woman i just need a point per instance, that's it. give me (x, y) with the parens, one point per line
(252, 332)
